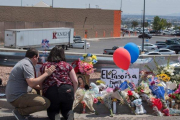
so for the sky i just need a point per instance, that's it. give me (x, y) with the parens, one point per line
(152, 7)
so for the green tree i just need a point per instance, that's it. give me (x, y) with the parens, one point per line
(134, 24)
(163, 24)
(156, 23)
(159, 23)
(169, 25)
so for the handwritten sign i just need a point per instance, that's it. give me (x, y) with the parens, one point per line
(114, 77)
(45, 43)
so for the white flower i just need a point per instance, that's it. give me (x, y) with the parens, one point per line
(172, 73)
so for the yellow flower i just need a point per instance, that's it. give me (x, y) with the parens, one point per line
(84, 55)
(94, 57)
(114, 100)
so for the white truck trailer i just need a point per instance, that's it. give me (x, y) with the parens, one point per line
(26, 38)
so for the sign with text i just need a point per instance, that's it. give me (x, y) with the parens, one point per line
(115, 77)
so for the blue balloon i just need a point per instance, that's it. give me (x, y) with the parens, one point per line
(133, 50)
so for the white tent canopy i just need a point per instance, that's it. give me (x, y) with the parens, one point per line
(41, 4)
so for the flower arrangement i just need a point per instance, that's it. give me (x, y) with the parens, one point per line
(165, 73)
(84, 65)
(89, 58)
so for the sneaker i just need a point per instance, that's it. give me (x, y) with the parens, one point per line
(70, 115)
(57, 117)
(18, 115)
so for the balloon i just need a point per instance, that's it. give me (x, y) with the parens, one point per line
(122, 58)
(133, 51)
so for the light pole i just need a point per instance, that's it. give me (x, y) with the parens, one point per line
(143, 28)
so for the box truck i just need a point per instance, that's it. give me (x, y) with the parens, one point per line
(39, 38)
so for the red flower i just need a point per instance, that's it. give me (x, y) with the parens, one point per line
(130, 93)
(95, 100)
(173, 96)
(142, 90)
(170, 95)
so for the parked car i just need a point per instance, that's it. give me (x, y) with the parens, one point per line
(166, 51)
(160, 45)
(161, 42)
(172, 41)
(77, 38)
(166, 32)
(153, 53)
(80, 44)
(110, 51)
(150, 47)
(145, 36)
(175, 47)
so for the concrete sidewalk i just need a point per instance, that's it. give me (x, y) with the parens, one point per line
(6, 114)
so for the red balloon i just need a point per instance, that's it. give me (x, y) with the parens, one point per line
(122, 58)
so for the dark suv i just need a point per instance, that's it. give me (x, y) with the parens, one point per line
(172, 41)
(145, 36)
(175, 47)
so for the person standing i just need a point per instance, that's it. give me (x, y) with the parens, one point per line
(23, 77)
(59, 87)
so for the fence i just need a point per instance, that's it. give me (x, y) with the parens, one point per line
(9, 57)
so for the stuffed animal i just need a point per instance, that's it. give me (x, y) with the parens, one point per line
(108, 103)
(157, 112)
(139, 107)
(94, 88)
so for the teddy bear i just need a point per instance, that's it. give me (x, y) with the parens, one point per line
(139, 107)
(94, 88)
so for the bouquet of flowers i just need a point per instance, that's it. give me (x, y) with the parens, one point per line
(84, 64)
(165, 73)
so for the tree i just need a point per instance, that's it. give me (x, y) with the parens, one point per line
(156, 23)
(169, 25)
(159, 23)
(134, 24)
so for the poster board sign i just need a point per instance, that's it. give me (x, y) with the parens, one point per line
(45, 43)
(114, 77)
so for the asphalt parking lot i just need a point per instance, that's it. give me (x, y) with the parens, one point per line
(97, 45)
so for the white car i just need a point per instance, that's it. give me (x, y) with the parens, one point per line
(153, 53)
(80, 44)
(166, 51)
(150, 47)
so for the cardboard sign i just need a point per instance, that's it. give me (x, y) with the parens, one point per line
(114, 77)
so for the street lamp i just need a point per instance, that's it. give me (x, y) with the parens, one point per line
(143, 28)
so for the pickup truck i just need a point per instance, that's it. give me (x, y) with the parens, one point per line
(111, 51)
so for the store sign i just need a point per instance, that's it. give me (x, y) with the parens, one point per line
(114, 77)
(63, 34)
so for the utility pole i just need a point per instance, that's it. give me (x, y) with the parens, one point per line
(21, 3)
(121, 6)
(143, 28)
(52, 3)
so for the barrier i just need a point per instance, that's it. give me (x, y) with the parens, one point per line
(9, 57)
